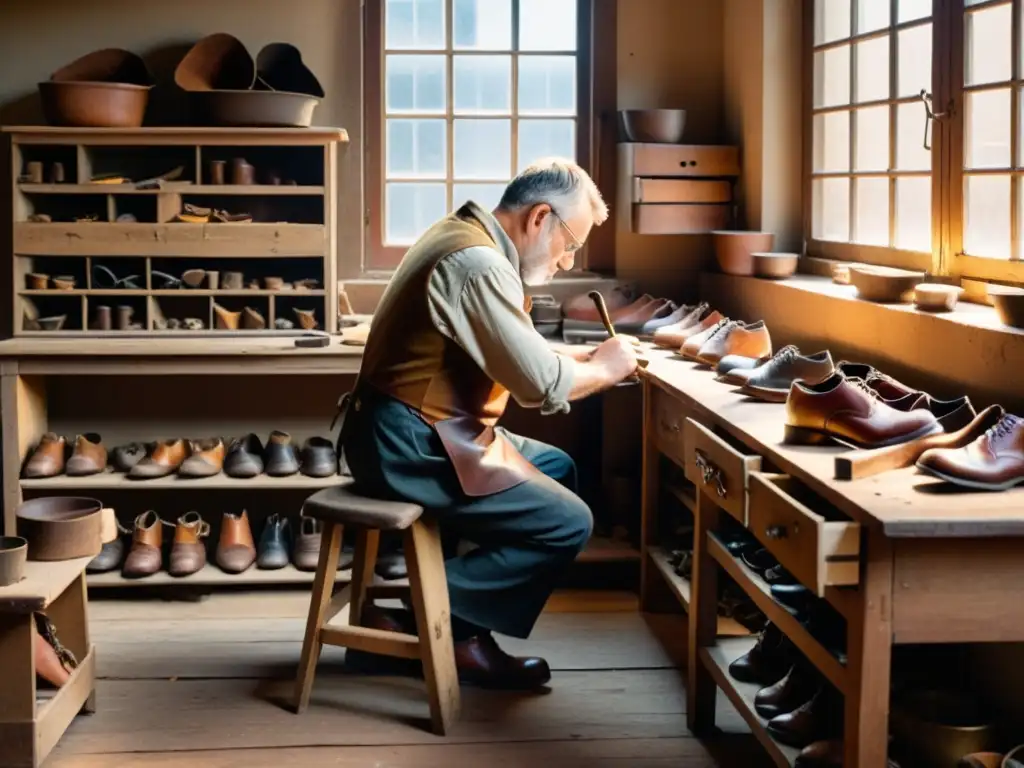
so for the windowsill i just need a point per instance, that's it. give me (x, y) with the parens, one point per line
(967, 351)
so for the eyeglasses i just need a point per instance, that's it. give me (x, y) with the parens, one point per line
(576, 242)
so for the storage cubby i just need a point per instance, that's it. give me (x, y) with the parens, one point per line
(135, 163)
(116, 275)
(117, 313)
(272, 166)
(179, 313)
(241, 313)
(133, 209)
(296, 309)
(50, 314)
(269, 209)
(42, 276)
(49, 156)
(64, 208)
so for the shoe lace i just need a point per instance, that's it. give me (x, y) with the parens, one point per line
(1003, 427)
(865, 386)
(785, 354)
(719, 327)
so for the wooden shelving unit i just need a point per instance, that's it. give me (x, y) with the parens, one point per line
(136, 231)
(119, 481)
(681, 589)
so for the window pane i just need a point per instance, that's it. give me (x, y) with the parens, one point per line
(873, 69)
(872, 15)
(987, 216)
(831, 20)
(832, 77)
(872, 222)
(914, 214)
(415, 84)
(483, 84)
(414, 24)
(416, 149)
(915, 61)
(914, 9)
(547, 25)
(988, 45)
(547, 85)
(871, 152)
(487, 196)
(409, 209)
(831, 142)
(482, 25)
(1020, 126)
(546, 138)
(910, 152)
(831, 216)
(987, 139)
(483, 149)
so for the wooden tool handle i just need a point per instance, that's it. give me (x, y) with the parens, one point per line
(602, 310)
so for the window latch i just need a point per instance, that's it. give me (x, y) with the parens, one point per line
(926, 99)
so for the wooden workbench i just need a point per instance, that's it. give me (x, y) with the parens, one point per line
(904, 558)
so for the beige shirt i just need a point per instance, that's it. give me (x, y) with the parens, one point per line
(476, 299)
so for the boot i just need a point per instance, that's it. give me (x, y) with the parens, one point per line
(188, 552)
(146, 555)
(235, 550)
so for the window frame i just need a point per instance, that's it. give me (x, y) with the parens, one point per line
(381, 260)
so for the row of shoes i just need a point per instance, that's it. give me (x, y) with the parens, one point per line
(243, 457)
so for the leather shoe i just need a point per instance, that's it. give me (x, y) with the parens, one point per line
(165, 459)
(244, 457)
(188, 552)
(767, 662)
(993, 462)
(279, 457)
(319, 458)
(818, 718)
(124, 457)
(206, 458)
(795, 598)
(235, 549)
(273, 549)
(391, 566)
(89, 457)
(306, 549)
(109, 557)
(821, 754)
(146, 555)
(47, 460)
(799, 685)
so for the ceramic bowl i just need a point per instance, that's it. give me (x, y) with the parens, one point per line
(61, 527)
(655, 126)
(1009, 304)
(841, 274)
(13, 554)
(735, 250)
(776, 266)
(936, 297)
(884, 284)
(94, 105)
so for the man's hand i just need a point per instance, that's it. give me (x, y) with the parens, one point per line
(618, 356)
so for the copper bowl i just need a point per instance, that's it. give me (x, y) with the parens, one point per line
(94, 105)
(61, 527)
(654, 126)
(1009, 304)
(217, 62)
(776, 266)
(735, 250)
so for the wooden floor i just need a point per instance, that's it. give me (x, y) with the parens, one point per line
(202, 684)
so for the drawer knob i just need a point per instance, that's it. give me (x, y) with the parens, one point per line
(776, 532)
(691, 163)
(710, 474)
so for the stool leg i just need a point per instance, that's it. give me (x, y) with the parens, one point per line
(362, 572)
(433, 622)
(323, 584)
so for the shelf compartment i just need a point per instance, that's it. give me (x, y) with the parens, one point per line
(258, 304)
(47, 154)
(180, 307)
(252, 240)
(760, 593)
(264, 208)
(171, 188)
(716, 659)
(681, 589)
(289, 306)
(65, 209)
(134, 308)
(135, 162)
(304, 165)
(31, 310)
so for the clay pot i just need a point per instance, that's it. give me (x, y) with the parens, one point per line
(1009, 304)
(279, 67)
(13, 554)
(242, 172)
(217, 171)
(657, 126)
(935, 297)
(217, 62)
(884, 284)
(61, 527)
(34, 172)
(37, 281)
(735, 250)
(776, 266)
(94, 105)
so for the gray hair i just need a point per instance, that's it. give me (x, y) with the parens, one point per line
(560, 183)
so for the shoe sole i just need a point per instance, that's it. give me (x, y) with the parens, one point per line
(765, 393)
(818, 437)
(974, 485)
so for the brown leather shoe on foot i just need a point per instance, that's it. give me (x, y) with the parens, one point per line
(188, 552)
(47, 459)
(146, 555)
(236, 550)
(88, 458)
(165, 459)
(206, 458)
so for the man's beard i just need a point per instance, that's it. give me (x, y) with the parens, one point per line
(535, 264)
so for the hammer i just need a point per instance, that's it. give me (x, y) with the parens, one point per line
(602, 310)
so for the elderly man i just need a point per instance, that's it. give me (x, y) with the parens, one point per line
(451, 339)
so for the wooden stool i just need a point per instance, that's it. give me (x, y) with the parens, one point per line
(341, 506)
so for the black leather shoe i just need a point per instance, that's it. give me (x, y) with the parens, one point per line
(779, 575)
(109, 558)
(391, 566)
(244, 458)
(279, 457)
(319, 458)
(795, 689)
(818, 719)
(273, 548)
(767, 662)
(795, 598)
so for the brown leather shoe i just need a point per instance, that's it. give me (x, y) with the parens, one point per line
(817, 719)
(886, 386)
(206, 458)
(47, 460)
(188, 552)
(821, 754)
(89, 457)
(746, 339)
(673, 335)
(165, 459)
(993, 462)
(236, 550)
(848, 412)
(146, 556)
(692, 345)
(799, 685)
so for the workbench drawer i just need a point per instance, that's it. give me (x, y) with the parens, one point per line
(679, 219)
(703, 191)
(668, 415)
(684, 160)
(810, 538)
(718, 468)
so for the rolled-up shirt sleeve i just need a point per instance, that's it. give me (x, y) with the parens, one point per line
(476, 299)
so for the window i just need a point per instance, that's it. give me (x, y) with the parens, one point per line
(468, 92)
(916, 121)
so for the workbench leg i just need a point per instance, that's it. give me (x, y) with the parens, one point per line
(648, 506)
(869, 645)
(701, 688)
(18, 689)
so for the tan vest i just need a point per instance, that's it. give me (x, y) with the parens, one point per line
(407, 358)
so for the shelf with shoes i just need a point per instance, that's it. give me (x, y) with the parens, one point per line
(262, 199)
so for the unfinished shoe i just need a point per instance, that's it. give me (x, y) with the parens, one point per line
(193, 278)
(226, 319)
(188, 552)
(307, 319)
(236, 550)
(194, 214)
(283, 324)
(253, 320)
(224, 217)
(146, 554)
